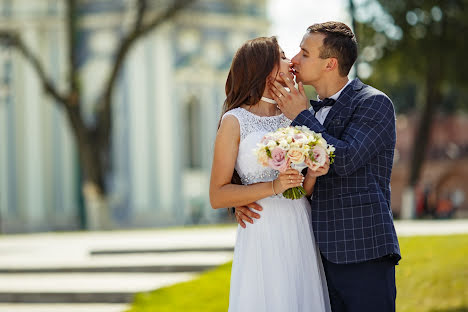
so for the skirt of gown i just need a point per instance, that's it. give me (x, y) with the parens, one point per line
(277, 266)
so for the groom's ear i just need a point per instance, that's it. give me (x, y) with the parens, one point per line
(332, 64)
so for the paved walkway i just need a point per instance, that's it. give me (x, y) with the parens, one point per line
(59, 307)
(431, 227)
(100, 271)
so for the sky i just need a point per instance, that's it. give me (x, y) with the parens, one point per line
(290, 19)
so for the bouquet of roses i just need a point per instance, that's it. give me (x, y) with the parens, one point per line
(294, 147)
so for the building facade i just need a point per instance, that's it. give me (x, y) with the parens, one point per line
(166, 110)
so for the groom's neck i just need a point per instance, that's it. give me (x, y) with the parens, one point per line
(330, 85)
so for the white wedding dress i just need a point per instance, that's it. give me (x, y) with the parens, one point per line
(276, 266)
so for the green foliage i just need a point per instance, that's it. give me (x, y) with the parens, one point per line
(332, 157)
(409, 43)
(432, 276)
(295, 192)
(311, 153)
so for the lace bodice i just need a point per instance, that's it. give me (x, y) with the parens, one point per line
(252, 130)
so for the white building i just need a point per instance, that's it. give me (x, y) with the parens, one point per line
(166, 110)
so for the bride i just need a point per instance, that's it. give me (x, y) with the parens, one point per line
(276, 265)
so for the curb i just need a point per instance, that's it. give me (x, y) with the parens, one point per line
(113, 269)
(150, 251)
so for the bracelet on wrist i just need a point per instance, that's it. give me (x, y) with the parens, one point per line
(273, 187)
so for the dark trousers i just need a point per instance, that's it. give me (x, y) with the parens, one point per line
(361, 287)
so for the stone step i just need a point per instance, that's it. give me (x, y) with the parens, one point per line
(60, 307)
(168, 262)
(111, 269)
(66, 297)
(159, 251)
(83, 287)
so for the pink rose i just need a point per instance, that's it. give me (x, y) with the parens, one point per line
(320, 155)
(278, 159)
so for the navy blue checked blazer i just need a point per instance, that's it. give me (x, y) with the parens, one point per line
(351, 214)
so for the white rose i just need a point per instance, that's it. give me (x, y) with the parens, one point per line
(262, 157)
(322, 142)
(271, 144)
(296, 155)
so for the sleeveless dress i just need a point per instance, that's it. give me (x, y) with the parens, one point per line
(276, 265)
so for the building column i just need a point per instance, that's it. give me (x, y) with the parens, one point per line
(168, 127)
(211, 113)
(139, 136)
(63, 145)
(4, 143)
(31, 105)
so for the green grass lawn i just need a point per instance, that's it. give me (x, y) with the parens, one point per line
(433, 276)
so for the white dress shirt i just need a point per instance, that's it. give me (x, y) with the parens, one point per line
(321, 115)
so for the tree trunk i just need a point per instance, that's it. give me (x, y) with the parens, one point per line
(92, 156)
(423, 134)
(93, 187)
(96, 207)
(422, 139)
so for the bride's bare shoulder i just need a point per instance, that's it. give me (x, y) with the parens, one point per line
(229, 126)
(229, 130)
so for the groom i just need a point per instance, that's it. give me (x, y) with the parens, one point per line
(351, 214)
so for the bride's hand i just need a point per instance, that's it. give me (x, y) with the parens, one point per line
(288, 179)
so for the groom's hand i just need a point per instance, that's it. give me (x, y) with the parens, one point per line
(290, 103)
(314, 171)
(243, 213)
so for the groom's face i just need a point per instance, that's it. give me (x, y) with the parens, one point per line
(307, 64)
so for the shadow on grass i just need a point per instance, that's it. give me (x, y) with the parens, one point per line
(459, 309)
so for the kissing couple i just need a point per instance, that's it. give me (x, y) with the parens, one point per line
(336, 248)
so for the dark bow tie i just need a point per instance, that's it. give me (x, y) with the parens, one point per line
(317, 105)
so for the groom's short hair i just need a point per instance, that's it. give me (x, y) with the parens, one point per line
(339, 43)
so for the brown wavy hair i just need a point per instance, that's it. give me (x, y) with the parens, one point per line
(250, 68)
(252, 64)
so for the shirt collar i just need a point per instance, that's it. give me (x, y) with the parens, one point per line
(337, 94)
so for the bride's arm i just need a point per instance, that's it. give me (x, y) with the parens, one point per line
(224, 194)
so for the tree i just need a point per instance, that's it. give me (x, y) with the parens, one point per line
(417, 43)
(93, 141)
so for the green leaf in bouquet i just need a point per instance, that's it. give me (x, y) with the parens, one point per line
(294, 193)
(311, 156)
(332, 157)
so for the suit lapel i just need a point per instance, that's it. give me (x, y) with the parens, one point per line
(343, 100)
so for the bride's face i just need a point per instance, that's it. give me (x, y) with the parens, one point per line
(284, 66)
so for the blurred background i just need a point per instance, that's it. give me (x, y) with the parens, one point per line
(109, 108)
